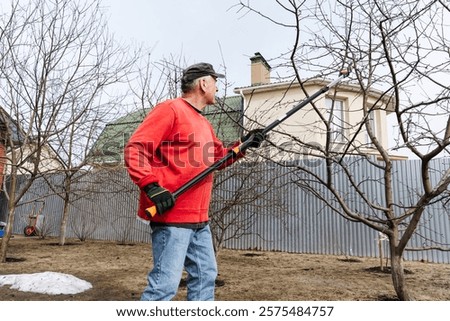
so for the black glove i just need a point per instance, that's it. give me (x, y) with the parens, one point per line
(162, 198)
(256, 136)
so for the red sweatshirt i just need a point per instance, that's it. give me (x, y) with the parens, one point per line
(172, 145)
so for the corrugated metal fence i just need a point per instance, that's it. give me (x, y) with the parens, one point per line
(294, 220)
(255, 206)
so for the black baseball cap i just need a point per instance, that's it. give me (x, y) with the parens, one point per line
(199, 70)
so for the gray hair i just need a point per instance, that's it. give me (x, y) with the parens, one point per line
(189, 86)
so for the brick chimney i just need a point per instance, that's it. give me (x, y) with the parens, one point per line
(260, 70)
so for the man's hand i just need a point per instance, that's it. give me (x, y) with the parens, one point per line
(161, 197)
(256, 136)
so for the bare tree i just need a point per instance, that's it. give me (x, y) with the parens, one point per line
(62, 73)
(401, 49)
(156, 81)
(15, 136)
(97, 80)
(244, 194)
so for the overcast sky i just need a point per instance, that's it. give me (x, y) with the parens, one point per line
(200, 30)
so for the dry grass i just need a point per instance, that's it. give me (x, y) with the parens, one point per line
(118, 272)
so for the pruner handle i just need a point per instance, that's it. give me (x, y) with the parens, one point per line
(151, 211)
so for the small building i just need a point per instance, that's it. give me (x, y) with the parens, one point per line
(25, 149)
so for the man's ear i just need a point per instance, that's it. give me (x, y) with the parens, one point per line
(203, 84)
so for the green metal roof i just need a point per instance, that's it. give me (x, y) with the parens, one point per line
(225, 117)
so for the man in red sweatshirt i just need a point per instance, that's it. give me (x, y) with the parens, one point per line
(173, 144)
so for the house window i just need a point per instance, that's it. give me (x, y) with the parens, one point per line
(337, 118)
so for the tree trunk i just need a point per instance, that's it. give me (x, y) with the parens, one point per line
(63, 226)
(7, 236)
(10, 220)
(65, 216)
(398, 274)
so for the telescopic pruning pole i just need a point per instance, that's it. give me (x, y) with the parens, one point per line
(243, 146)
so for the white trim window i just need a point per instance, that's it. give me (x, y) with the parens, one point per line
(337, 119)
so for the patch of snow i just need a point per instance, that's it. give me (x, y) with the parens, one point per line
(46, 282)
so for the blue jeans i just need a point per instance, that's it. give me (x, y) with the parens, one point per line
(173, 249)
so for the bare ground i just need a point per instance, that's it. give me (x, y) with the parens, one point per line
(118, 272)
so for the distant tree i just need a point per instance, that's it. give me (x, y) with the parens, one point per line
(156, 81)
(243, 194)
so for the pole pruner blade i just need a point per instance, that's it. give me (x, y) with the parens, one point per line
(345, 72)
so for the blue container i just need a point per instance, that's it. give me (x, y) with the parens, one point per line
(1, 233)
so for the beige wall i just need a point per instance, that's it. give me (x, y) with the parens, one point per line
(49, 161)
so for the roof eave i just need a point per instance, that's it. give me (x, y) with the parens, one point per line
(377, 94)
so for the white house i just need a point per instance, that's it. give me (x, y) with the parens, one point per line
(343, 109)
